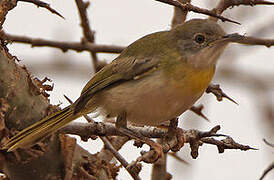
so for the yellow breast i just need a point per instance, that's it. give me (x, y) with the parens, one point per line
(187, 79)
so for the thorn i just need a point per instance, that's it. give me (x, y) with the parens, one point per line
(218, 92)
(198, 110)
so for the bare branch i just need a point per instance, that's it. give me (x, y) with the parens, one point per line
(189, 7)
(65, 46)
(43, 5)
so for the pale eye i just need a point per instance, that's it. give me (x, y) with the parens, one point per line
(199, 38)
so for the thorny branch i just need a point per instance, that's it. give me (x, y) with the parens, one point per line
(189, 7)
(43, 5)
(225, 4)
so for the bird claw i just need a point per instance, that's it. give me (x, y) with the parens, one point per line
(180, 138)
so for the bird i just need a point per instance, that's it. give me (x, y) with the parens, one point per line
(155, 79)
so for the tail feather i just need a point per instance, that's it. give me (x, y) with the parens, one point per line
(41, 129)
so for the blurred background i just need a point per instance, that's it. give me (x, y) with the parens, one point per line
(245, 73)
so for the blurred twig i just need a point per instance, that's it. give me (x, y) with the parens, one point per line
(64, 46)
(268, 143)
(88, 33)
(43, 5)
(179, 15)
(267, 170)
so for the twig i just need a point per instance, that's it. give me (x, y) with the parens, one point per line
(118, 156)
(179, 15)
(65, 46)
(88, 34)
(43, 5)
(225, 4)
(268, 143)
(267, 170)
(189, 7)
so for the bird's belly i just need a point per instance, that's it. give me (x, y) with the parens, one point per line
(147, 101)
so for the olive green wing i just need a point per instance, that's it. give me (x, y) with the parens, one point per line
(120, 70)
(138, 59)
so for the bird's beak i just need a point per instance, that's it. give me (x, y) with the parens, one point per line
(225, 39)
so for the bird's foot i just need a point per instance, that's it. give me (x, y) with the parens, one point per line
(174, 140)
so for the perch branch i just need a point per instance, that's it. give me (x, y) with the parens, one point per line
(195, 137)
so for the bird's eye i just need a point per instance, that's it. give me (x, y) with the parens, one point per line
(199, 38)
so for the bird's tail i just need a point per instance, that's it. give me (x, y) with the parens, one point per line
(41, 129)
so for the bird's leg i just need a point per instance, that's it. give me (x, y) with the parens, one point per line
(121, 121)
(121, 125)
